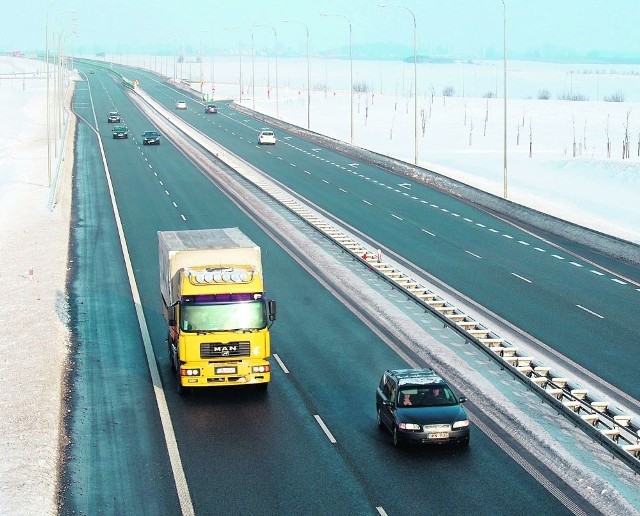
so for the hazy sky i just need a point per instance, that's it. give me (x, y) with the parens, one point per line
(467, 27)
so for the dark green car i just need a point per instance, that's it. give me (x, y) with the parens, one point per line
(120, 131)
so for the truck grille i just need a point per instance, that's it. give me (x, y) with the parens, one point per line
(224, 349)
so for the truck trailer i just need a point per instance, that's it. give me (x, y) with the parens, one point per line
(215, 307)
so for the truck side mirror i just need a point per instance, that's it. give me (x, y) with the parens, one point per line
(271, 304)
(172, 322)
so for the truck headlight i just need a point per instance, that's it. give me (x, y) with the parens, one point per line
(189, 372)
(261, 368)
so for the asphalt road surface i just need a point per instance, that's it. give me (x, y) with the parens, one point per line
(243, 452)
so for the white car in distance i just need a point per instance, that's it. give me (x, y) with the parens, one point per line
(181, 104)
(266, 138)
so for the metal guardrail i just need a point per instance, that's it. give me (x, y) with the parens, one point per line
(616, 430)
(596, 416)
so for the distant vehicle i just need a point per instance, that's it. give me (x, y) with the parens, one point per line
(120, 131)
(417, 406)
(266, 138)
(114, 117)
(92, 72)
(151, 138)
(181, 104)
(210, 108)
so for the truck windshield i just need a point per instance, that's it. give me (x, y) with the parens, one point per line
(250, 315)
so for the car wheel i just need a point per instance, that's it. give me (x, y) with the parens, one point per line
(396, 437)
(379, 420)
(464, 443)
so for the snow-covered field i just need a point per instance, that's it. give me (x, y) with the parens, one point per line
(463, 139)
(557, 157)
(33, 346)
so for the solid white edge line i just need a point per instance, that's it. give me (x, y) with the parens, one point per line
(325, 429)
(179, 477)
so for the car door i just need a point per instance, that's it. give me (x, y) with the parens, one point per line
(388, 392)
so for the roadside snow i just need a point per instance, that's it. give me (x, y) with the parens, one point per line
(34, 343)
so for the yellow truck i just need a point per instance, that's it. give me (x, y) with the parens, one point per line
(215, 307)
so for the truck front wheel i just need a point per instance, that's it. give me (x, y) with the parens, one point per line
(170, 353)
(182, 390)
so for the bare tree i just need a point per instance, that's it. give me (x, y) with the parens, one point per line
(573, 123)
(486, 119)
(606, 130)
(530, 139)
(625, 145)
(470, 131)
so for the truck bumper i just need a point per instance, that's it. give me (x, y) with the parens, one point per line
(222, 374)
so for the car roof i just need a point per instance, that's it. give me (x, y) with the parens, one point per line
(415, 376)
(267, 132)
(151, 132)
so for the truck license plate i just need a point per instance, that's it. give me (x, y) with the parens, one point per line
(226, 370)
(438, 435)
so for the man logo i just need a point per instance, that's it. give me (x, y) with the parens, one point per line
(225, 351)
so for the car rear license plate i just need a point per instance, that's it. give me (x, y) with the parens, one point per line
(438, 435)
(226, 370)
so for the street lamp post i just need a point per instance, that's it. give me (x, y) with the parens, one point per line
(213, 63)
(253, 76)
(308, 72)
(46, 44)
(275, 47)
(415, 77)
(350, 64)
(504, 42)
(253, 72)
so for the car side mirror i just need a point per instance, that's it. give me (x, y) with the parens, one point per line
(462, 399)
(387, 403)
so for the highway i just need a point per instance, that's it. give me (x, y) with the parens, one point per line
(531, 282)
(242, 453)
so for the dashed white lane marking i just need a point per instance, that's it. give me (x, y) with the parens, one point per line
(521, 277)
(589, 311)
(281, 364)
(325, 429)
(473, 254)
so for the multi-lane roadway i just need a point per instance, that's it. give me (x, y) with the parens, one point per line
(239, 453)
